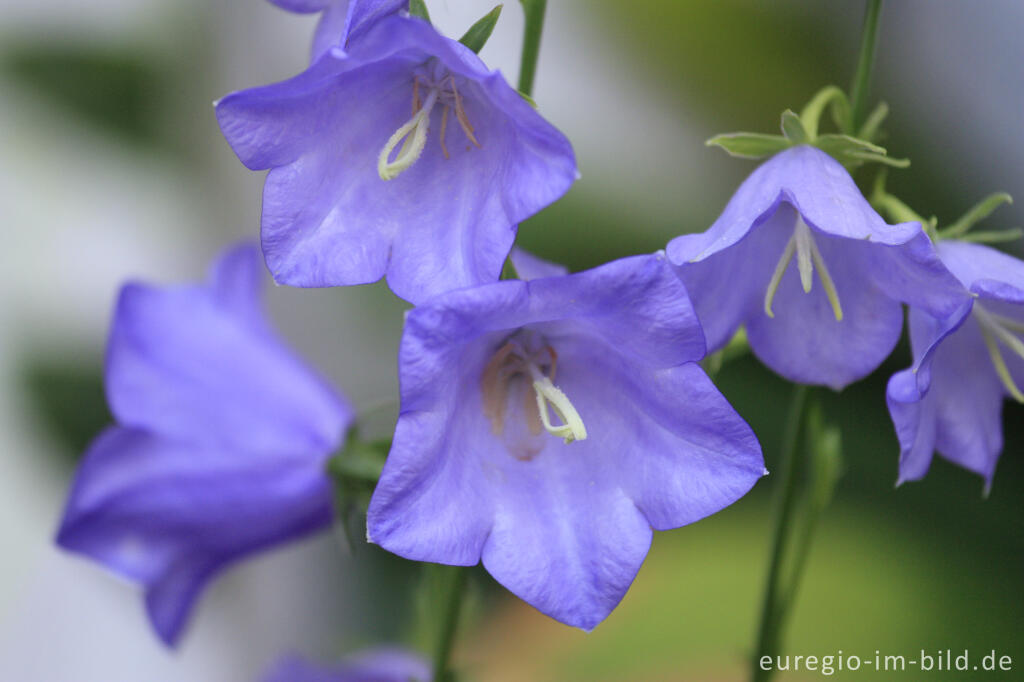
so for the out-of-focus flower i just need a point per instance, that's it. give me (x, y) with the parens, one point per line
(402, 155)
(381, 665)
(802, 206)
(341, 20)
(547, 427)
(220, 444)
(965, 366)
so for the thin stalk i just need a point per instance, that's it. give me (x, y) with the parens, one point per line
(532, 29)
(786, 494)
(862, 77)
(454, 581)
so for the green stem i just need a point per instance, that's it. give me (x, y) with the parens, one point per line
(862, 78)
(534, 25)
(454, 581)
(786, 494)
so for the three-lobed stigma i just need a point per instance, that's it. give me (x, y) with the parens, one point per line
(996, 329)
(808, 261)
(413, 133)
(513, 364)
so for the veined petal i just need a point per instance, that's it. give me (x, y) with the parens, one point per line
(444, 223)
(529, 266)
(804, 341)
(198, 363)
(169, 515)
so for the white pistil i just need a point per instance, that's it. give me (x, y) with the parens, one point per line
(572, 427)
(414, 134)
(808, 259)
(994, 328)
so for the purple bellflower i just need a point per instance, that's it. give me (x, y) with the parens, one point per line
(220, 444)
(547, 427)
(402, 155)
(801, 205)
(964, 366)
(379, 665)
(341, 20)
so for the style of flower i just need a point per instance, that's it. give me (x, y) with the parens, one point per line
(341, 20)
(801, 205)
(359, 187)
(220, 444)
(964, 366)
(547, 427)
(379, 665)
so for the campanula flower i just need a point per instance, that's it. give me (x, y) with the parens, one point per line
(380, 665)
(952, 400)
(401, 155)
(800, 258)
(219, 447)
(341, 20)
(547, 426)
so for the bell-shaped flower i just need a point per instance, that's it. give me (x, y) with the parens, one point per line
(341, 20)
(401, 155)
(951, 401)
(220, 444)
(816, 275)
(378, 665)
(547, 426)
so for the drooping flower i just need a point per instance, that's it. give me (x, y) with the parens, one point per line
(341, 20)
(380, 665)
(359, 187)
(964, 366)
(220, 442)
(800, 258)
(547, 427)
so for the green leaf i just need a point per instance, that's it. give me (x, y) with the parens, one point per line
(750, 145)
(418, 8)
(976, 214)
(477, 35)
(793, 128)
(856, 158)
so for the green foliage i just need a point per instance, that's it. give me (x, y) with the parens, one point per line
(750, 145)
(119, 91)
(418, 8)
(68, 401)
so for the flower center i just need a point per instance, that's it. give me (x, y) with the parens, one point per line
(412, 135)
(513, 364)
(808, 259)
(996, 329)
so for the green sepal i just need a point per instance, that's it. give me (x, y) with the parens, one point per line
(871, 157)
(871, 130)
(750, 145)
(508, 270)
(976, 214)
(529, 100)
(355, 470)
(418, 8)
(793, 128)
(993, 236)
(476, 37)
(829, 96)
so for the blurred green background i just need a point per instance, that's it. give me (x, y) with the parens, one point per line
(637, 86)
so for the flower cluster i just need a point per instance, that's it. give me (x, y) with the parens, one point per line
(549, 422)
